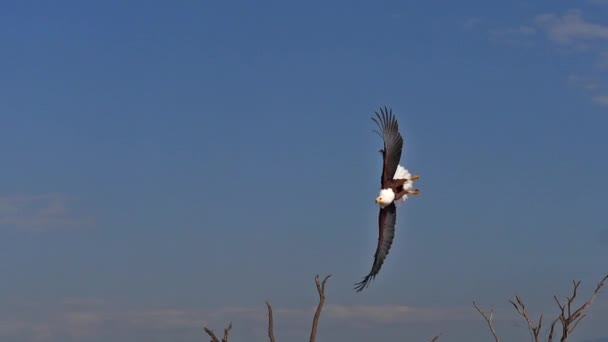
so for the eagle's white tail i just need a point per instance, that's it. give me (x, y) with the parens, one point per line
(402, 173)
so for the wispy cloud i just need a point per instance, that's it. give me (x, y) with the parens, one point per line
(390, 313)
(386, 314)
(603, 237)
(584, 82)
(471, 23)
(598, 2)
(27, 330)
(524, 30)
(602, 60)
(569, 31)
(601, 100)
(516, 36)
(592, 86)
(39, 212)
(570, 27)
(83, 318)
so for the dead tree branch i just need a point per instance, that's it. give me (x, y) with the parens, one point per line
(226, 331)
(214, 338)
(552, 330)
(570, 319)
(521, 310)
(270, 323)
(211, 334)
(489, 319)
(435, 338)
(321, 291)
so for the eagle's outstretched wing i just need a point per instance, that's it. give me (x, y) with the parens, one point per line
(393, 144)
(387, 217)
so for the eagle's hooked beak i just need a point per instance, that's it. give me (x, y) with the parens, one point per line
(378, 199)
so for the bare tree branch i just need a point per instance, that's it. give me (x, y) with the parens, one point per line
(552, 330)
(489, 320)
(211, 334)
(226, 331)
(435, 338)
(214, 338)
(521, 309)
(568, 319)
(270, 323)
(315, 321)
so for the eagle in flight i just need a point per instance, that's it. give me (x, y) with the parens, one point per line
(395, 185)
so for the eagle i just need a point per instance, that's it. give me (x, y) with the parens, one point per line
(396, 184)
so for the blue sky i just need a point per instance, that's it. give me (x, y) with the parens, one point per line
(167, 166)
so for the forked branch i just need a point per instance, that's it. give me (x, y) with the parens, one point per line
(570, 318)
(214, 338)
(321, 291)
(489, 319)
(533, 328)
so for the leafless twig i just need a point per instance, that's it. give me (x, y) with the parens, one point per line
(214, 338)
(270, 323)
(226, 331)
(570, 319)
(489, 320)
(435, 338)
(552, 330)
(315, 321)
(521, 310)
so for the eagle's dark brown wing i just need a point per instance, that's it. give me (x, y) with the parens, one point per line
(393, 144)
(386, 232)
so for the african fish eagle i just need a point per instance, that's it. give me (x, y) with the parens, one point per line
(395, 185)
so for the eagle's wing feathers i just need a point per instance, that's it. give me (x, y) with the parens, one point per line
(393, 143)
(387, 218)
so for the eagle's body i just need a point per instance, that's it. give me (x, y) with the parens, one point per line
(395, 184)
(398, 188)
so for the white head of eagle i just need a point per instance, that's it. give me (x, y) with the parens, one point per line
(385, 197)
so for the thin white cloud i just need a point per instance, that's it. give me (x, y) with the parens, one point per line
(570, 27)
(586, 83)
(92, 322)
(598, 2)
(386, 314)
(82, 323)
(521, 30)
(39, 212)
(570, 32)
(162, 318)
(603, 237)
(26, 330)
(76, 302)
(601, 100)
(472, 22)
(602, 60)
(515, 36)
(390, 313)
(82, 318)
